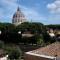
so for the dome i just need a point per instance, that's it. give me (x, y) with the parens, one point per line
(18, 17)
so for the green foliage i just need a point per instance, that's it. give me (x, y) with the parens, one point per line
(54, 26)
(1, 44)
(33, 27)
(15, 54)
(7, 27)
(40, 40)
(10, 32)
(13, 51)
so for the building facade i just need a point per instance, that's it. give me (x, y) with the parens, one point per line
(18, 17)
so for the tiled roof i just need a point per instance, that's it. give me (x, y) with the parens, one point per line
(50, 50)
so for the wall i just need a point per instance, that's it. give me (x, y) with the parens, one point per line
(32, 57)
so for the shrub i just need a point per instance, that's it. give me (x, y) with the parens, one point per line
(13, 51)
(1, 44)
(40, 40)
(15, 54)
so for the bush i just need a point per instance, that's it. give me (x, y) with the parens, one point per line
(15, 54)
(13, 51)
(40, 40)
(1, 44)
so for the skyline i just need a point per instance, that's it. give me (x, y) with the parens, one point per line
(44, 11)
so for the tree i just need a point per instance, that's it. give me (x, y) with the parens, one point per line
(14, 52)
(1, 44)
(7, 30)
(40, 40)
(33, 27)
(56, 26)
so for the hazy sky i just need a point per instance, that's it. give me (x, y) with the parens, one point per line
(45, 11)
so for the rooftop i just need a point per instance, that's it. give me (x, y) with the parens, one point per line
(50, 51)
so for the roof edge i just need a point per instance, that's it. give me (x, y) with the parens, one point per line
(45, 56)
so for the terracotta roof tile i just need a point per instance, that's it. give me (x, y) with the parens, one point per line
(50, 50)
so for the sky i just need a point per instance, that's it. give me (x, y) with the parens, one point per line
(43, 11)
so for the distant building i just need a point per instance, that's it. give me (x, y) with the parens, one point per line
(18, 17)
(54, 33)
(27, 34)
(51, 33)
(50, 52)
